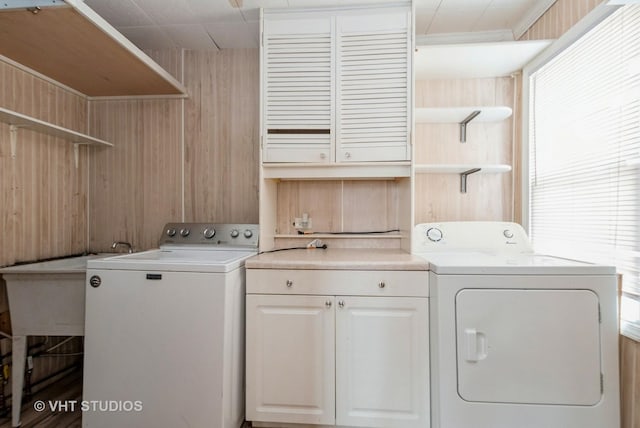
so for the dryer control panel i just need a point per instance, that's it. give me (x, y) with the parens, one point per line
(492, 236)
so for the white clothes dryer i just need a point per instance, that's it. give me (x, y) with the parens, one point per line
(518, 339)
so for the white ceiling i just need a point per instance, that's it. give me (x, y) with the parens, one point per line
(225, 24)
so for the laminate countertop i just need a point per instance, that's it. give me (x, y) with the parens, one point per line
(339, 259)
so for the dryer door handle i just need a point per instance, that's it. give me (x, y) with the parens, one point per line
(476, 344)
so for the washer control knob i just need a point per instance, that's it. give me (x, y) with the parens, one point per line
(507, 234)
(184, 232)
(171, 232)
(235, 233)
(434, 234)
(209, 232)
(248, 233)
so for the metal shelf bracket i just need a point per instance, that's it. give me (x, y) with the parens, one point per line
(463, 125)
(463, 178)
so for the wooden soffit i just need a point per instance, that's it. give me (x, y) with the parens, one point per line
(70, 43)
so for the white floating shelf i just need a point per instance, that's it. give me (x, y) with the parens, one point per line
(464, 170)
(23, 121)
(390, 235)
(459, 169)
(475, 60)
(459, 114)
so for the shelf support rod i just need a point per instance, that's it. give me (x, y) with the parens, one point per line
(464, 123)
(463, 178)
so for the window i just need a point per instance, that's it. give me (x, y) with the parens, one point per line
(584, 153)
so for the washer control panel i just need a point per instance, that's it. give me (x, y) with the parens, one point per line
(220, 234)
(470, 235)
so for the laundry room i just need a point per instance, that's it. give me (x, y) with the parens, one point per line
(296, 213)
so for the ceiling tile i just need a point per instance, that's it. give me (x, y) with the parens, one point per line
(494, 19)
(167, 12)
(206, 11)
(148, 37)
(463, 5)
(454, 21)
(120, 12)
(230, 36)
(427, 4)
(190, 36)
(423, 20)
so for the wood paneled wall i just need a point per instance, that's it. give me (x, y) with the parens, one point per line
(555, 22)
(43, 196)
(489, 196)
(559, 18)
(178, 160)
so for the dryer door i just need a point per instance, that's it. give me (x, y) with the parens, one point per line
(528, 346)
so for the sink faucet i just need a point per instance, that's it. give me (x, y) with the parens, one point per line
(123, 243)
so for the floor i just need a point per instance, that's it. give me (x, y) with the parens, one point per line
(67, 388)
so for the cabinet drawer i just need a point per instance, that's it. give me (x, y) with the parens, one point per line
(338, 282)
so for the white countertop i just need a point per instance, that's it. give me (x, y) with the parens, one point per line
(338, 258)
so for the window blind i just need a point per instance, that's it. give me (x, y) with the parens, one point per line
(584, 154)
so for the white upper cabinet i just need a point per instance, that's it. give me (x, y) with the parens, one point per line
(336, 85)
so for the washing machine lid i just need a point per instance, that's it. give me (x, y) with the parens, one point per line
(177, 260)
(483, 263)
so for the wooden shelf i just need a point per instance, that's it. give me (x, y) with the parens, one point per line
(22, 121)
(71, 44)
(459, 114)
(335, 171)
(19, 121)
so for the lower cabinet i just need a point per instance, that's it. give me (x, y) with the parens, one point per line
(338, 360)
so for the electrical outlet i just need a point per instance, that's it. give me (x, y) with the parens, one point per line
(302, 223)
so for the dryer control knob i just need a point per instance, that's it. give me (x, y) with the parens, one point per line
(507, 234)
(434, 234)
(248, 233)
(171, 232)
(184, 232)
(209, 232)
(235, 233)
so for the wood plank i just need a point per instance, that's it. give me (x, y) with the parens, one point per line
(61, 43)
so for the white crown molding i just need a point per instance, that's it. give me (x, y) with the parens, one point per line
(539, 8)
(467, 37)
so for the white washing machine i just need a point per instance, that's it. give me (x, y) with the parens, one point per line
(517, 339)
(164, 331)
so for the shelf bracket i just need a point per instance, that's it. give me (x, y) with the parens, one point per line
(76, 153)
(463, 178)
(463, 125)
(13, 138)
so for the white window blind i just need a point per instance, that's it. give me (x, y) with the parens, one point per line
(584, 158)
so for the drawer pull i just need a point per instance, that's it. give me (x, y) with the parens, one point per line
(381, 284)
(289, 283)
(327, 303)
(341, 304)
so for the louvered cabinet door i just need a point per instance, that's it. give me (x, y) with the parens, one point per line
(373, 86)
(298, 89)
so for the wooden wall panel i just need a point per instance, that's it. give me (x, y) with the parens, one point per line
(222, 136)
(488, 197)
(198, 156)
(136, 186)
(630, 382)
(559, 18)
(43, 194)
